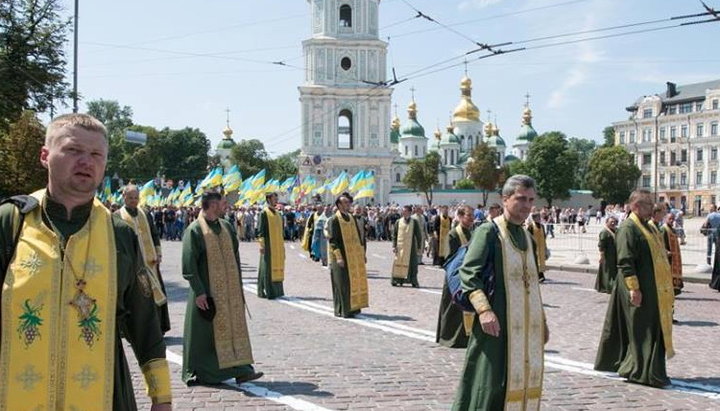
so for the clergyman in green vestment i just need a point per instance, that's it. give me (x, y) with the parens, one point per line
(637, 334)
(607, 270)
(216, 344)
(504, 359)
(348, 274)
(454, 324)
(271, 268)
(407, 245)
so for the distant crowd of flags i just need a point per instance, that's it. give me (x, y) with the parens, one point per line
(249, 191)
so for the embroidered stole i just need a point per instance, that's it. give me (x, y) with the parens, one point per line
(540, 245)
(468, 317)
(524, 323)
(676, 258)
(307, 234)
(404, 244)
(230, 332)
(663, 280)
(277, 246)
(50, 358)
(444, 239)
(354, 263)
(142, 229)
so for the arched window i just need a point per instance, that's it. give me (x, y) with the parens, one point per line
(406, 150)
(345, 134)
(452, 157)
(397, 177)
(416, 151)
(470, 142)
(345, 16)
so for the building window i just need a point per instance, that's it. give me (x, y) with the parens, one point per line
(662, 158)
(646, 181)
(662, 134)
(452, 157)
(417, 153)
(714, 128)
(672, 109)
(346, 63)
(684, 131)
(698, 178)
(673, 134)
(673, 158)
(698, 106)
(673, 180)
(345, 134)
(699, 154)
(685, 108)
(683, 179)
(713, 177)
(713, 153)
(646, 135)
(662, 179)
(445, 157)
(683, 155)
(647, 113)
(406, 150)
(632, 137)
(397, 177)
(715, 104)
(345, 16)
(699, 128)
(646, 159)
(622, 137)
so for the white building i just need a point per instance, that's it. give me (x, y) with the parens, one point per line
(345, 118)
(674, 138)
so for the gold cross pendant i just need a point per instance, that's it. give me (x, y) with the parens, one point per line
(82, 302)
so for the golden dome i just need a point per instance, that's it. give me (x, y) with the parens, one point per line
(395, 125)
(227, 131)
(495, 130)
(527, 116)
(438, 134)
(488, 129)
(466, 110)
(412, 110)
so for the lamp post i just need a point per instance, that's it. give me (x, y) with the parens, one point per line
(75, 58)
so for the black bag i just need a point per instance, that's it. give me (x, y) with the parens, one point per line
(208, 314)
(25, 204)
(705, 229)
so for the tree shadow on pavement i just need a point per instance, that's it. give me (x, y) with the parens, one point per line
(550, 281)
(293, 388)
(696, 299)
(388, 317)
(698, 323)
(176, 291)
(714, 382)
(311, 298)
(170, 341)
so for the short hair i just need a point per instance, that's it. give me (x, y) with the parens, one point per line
(81, 120)
(460, 212)
(658, 207)
(209, 196)
(639, 194)
(346, 195)
(130, 187)
(494, 206)
(515, 182)
(270, 194)
(408, 208)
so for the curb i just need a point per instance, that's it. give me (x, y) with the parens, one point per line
(593, 270)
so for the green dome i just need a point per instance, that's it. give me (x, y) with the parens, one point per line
(495, 141)
(412, 129)
(527, 133)
(510, 157)
(226, 144)
(394, 136)
(449, 137)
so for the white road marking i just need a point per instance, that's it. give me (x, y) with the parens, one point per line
(429, 291)
(705, 390)
(292, 246)
(583, 289)
(302, 255)
(435, 269)
(290, 401)
(379, 256)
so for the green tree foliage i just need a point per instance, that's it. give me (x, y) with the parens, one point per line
(422, 175)
(20, 156)
(609, 136)
(517, 167)
(464, 184)
(285, 165)
(183, 153)
(612, 174)
(553, 164)
(116, 119)
(584, 149)
(32, 57)
(250, 156)
(484, 170)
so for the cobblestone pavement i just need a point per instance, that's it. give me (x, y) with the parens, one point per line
(387, 358)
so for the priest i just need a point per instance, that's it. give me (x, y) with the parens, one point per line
(271, 268)
(406, 247)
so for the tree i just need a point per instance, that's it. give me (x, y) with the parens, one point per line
(464, 184)
(612, 174)
(584, 149)
(250, 156)
(553, 165)
(32, 57)
(285, 165)
(484, 169)
(422, 175)
(184, 153)
(116, 120)
(20, 156)
(609, 136)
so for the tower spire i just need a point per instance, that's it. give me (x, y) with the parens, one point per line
(227, 132)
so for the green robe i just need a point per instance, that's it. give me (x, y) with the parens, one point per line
(482, 384)
(632, 341)
(339, 276)
(607, 271)
(200, 361)
(415, 249)
(450, 328)
(163, 312)
(136, 314)
(266, 288)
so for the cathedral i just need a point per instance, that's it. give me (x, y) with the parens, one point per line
(345, 108)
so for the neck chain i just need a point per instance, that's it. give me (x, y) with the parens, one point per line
(82, 302)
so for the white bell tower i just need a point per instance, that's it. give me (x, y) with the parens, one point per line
(345, 105)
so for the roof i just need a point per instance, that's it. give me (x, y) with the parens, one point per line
(412, 129)
(225, 144)
(687, 92)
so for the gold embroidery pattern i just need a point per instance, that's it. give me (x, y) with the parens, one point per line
(29, 377)
(85, 377)
(32, 263)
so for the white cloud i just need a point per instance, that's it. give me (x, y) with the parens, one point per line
(576, 76)
(476, 4)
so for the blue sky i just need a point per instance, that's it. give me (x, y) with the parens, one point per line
(182, 62)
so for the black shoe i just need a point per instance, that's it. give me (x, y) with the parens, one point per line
(421, 263)
(250, 377)
(416, 285)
